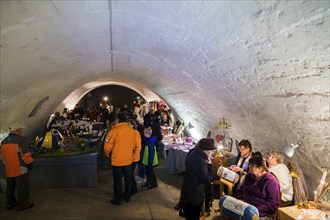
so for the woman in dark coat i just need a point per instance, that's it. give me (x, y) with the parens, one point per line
(199, 173)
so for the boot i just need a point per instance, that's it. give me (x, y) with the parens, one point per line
(152, 184)
(146, 183)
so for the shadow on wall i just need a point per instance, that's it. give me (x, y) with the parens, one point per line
(39, 105)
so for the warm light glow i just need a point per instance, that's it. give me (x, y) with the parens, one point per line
(220, 147)
(105, 98)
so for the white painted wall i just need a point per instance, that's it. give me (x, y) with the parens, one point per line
(264, 65)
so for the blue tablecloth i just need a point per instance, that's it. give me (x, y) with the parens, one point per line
(58, 172)
(175, 161)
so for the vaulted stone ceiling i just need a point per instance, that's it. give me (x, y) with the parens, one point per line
(264, 65)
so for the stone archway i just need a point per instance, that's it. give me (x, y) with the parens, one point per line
(70, 101)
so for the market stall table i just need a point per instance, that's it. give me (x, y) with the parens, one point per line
(70, 161)
(176, 158)
(65, 171)
(292, 212)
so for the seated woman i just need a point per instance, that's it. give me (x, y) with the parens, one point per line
(260, 188)
(281, 171)
(242, 162)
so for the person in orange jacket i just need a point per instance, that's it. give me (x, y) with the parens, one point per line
(123, 146)
(15, 154)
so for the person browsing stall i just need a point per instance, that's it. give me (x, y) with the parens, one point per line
(15, 154)
(199, 174)
(150, 158)
(122, 145)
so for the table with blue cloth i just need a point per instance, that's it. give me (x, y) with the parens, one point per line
(60, 172)
(176, 158)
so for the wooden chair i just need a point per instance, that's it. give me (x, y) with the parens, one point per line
(300, 193)
(218, 161)
(225, 183)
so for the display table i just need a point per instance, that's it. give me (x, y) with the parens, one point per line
(292, 212)
(58, 172)
(175, 160)
(65, 171)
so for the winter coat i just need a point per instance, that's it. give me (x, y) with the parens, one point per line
(198, 175)
(123, 145)
(15, 153)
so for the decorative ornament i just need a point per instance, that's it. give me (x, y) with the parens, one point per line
(226, 141)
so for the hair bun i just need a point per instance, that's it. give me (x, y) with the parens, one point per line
(257, 154)
(257, 159)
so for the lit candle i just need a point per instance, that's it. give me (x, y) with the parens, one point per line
(320, 187)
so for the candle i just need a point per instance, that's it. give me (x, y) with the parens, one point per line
(320, 187)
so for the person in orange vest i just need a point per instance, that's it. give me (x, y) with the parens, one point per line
(15, 154)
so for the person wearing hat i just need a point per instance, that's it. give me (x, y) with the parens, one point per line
(15, 154)
(198, 175)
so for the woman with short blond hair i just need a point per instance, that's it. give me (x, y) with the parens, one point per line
(281, 171)
(277, 155)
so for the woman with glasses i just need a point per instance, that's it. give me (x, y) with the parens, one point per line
(241, 166)
(242, 160)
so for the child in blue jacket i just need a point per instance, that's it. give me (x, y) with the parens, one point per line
(150, 158)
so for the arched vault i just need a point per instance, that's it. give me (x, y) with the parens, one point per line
(263, 65)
